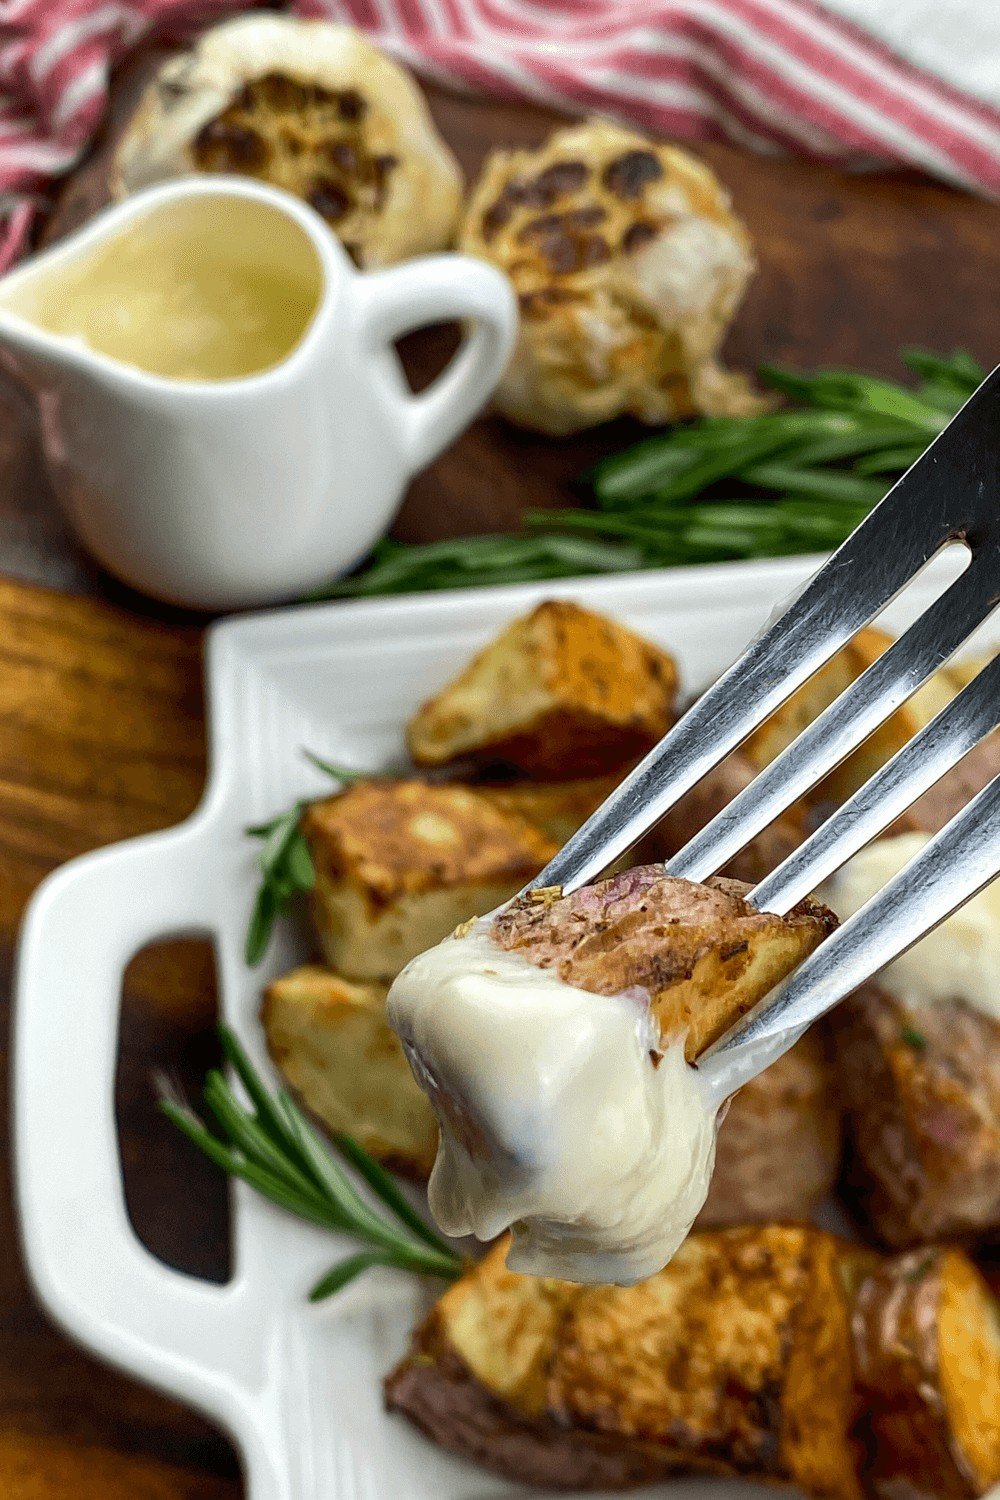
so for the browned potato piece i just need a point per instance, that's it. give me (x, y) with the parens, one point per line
(927, 1350)
(332, 1042)
(767, 851)
(702, 954)
(714, 792)
(778, 1149)
(400, 863)
(805, 705)
(921, 1087)
(560, 693)
(735, 1359)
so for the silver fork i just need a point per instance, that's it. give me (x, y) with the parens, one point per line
(952, 494)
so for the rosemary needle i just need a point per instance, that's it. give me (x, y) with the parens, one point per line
(267, 1141)
(286, 864)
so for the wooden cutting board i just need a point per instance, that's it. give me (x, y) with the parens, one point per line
(101, 732)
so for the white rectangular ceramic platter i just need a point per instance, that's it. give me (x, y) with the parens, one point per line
(298, 1387)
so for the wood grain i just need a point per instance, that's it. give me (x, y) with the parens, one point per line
(101, 737)
(101, 729)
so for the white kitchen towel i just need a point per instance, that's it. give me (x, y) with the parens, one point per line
(959, 40)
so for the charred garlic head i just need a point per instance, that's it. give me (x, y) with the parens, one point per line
(628, 264)
(312, 108)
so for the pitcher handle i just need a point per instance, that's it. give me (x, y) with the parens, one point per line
(435, 289)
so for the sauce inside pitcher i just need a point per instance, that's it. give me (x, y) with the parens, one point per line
(199, 290)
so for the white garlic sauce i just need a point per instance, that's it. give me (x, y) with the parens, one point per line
(563, 1116)
(960, 960)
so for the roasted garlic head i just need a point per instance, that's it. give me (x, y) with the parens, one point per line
(312, 108)
(628, 264)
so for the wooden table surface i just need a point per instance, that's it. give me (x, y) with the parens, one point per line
(101, 725)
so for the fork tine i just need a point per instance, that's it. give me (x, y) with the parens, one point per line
(958, 863)
(859, 710)
(913, 770)
(880, 557)
(950, 492)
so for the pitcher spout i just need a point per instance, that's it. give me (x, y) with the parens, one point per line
(199, 281)
(29, 352)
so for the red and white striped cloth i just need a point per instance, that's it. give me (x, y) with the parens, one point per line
(775, 75)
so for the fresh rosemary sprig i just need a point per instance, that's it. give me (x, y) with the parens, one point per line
(782, 483)
(286, 864)
(478, 561)
(270, 1144)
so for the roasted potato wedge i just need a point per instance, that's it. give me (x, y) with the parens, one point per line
(735, 1359)
(400, 863)
(921, 1088)
(805, 705)
(702, 954)
(560, 693)
(921, 1084)
(331, 1040)
(927, 1349)
(778, 1149)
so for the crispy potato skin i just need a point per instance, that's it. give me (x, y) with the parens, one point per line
(474, 1381)
(400, 863)
(778, 1150)
(926, 1338)
(562, 693)
(700, 952)
(734, 1359)
(332, 1042)
(921, 1089)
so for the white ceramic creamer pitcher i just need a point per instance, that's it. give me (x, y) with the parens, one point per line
(224, 417)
